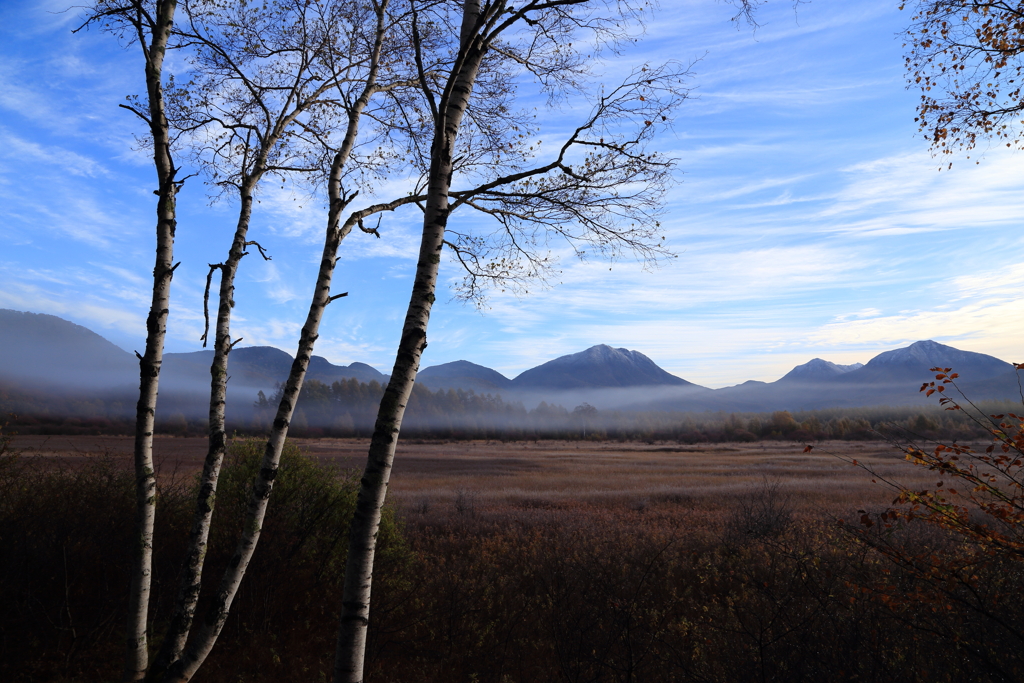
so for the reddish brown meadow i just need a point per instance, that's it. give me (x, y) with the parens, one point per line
(517, 561)
(528, 475)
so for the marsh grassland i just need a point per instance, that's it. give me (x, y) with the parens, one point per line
(497, 476)
(521, 561)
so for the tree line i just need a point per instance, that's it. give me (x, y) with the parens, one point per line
(347, 409)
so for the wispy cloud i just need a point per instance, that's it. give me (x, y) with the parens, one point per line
(811, 220)
(987, 325)
(15, 150)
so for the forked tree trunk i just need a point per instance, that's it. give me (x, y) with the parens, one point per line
(208, 631)
(355, 611)
(182, 668)
(190, 582)
(137, 641)
(206, 636)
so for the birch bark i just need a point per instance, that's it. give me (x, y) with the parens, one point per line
(355, 614)
(137, 645)
(611, 194)
(184, 667)
(195, 654)
(190, 582)
(289, 74)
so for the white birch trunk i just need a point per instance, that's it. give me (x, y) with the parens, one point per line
(190, 582)
(184, 667)
(355, 613)
(195, 654)
(136, 637)
(208, 631)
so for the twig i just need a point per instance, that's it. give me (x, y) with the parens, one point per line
(206, 302)
(181, 183)
(263, 251)
(373, 230)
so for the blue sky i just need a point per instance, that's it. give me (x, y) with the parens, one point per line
(809, 220)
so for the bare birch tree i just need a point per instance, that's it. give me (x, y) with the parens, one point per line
(601, 190)
(370, 66)
(149, 25)
(261, 101)
(275, 89)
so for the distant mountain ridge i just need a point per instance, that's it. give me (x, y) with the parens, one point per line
(44, 350)
(890, 378)
(261, 367)
(817, 369)
(599, 366)
(462, 374)
(52, 354)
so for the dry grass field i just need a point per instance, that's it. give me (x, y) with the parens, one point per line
(522, 561)
(558, 474)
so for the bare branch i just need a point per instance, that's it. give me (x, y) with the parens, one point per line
(137, 113)
(372, 231)
(206, 301)
(262, 251)
(336, 296)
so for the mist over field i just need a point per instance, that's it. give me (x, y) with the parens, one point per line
(57, 376)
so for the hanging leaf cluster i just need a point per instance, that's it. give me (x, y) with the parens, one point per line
(965, 57)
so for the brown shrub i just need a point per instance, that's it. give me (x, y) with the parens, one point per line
(498, 590)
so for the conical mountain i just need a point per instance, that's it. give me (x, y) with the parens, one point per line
(598, 367)
(817, 370)
(912, 364)
(462, 374)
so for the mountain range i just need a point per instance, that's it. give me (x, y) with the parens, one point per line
(890, 378)
(48, 353)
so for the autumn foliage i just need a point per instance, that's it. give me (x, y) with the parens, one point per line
(966, 58)
(979, 495)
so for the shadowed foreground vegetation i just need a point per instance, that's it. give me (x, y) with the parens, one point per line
(65, 535)
(755, 587)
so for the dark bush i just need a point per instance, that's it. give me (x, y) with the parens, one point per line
(65, 543)
(764, 512)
